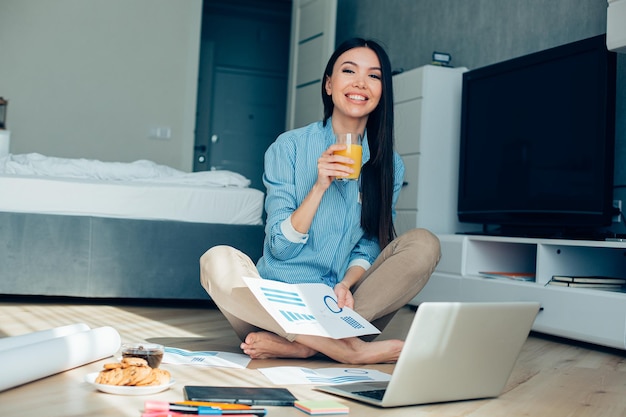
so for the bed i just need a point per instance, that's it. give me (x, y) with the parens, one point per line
(87, 228)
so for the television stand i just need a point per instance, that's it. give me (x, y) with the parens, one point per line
(543, 232)
(590, 315)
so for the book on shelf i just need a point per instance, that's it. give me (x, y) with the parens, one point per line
(600, 283)
(590, 279)
(515, 276)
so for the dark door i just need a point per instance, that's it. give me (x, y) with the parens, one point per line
(242, 90)
(248, 111)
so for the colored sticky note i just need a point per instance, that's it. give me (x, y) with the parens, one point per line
(322, 407)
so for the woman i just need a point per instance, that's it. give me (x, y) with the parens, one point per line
(336, 232)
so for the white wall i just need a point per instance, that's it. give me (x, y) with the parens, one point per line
(90, 78)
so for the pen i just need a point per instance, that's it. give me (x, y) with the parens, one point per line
(161, 406)
(164, 405)
(223, 406)
(177, 414)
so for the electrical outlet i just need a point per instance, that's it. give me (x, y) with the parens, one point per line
(160, 132)
(617, 204)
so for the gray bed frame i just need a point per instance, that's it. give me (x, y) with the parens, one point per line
(95, 257)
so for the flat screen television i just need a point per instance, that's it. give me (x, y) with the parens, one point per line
(537, 143)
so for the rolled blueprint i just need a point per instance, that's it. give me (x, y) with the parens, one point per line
(48, 357)
(40, 336)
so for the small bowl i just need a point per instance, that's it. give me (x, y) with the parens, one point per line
(151, 352)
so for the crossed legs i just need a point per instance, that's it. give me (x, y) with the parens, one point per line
(399, 273)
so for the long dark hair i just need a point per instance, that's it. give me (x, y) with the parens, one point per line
(377, 177)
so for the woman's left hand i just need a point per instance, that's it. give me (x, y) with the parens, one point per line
(344, 296)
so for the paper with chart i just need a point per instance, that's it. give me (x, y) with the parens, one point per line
(292, 375)
(176, 356)
(308, 309)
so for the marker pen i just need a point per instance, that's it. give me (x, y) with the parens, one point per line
(185, 414)
(162, 406)
(223, 406)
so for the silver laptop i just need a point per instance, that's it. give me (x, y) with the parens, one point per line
(453, 351)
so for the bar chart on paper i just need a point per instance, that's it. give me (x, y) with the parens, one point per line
(293, 316)
(289, 298)
(308, 309)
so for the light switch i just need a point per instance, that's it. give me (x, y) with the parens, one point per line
(160, 132)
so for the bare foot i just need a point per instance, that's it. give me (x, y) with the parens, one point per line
(354, 350)
(266, 345)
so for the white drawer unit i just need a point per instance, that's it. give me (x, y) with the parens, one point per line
(427, 128)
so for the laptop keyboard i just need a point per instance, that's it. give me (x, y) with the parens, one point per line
(376, 394)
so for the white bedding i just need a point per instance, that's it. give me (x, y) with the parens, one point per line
(33, 183)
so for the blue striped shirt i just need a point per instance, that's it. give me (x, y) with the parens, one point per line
(335, 240)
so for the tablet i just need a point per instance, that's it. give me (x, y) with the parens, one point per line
(240, 395)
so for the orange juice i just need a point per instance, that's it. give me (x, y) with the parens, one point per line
(354, 152)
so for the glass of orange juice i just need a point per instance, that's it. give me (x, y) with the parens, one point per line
(353, 151)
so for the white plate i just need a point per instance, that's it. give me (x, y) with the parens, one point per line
(123, 390)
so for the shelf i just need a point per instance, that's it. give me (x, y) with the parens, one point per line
(544, 257)
(591, 315)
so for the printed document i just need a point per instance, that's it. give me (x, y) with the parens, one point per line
(176, 356)
(308, 309)
(292, 375)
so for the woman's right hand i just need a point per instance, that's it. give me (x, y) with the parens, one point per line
(330, 166)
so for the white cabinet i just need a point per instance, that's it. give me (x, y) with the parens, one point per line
(615, 27)
(591, 315)
(427, 128)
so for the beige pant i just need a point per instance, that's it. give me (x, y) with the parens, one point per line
(398, 274)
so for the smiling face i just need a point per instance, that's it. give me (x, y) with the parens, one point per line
(355, 87)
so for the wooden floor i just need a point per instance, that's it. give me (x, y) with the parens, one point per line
(551, 378)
